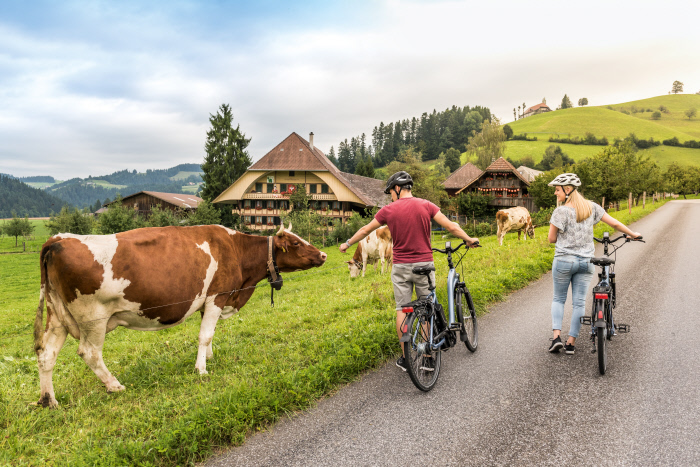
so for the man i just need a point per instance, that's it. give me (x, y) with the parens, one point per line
(408, 219)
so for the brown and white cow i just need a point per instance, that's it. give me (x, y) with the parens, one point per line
(150, 279)
(515, 219)
(374, 248)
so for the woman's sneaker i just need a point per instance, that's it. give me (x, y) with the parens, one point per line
(556, 345)
(569, 349)
(401, 363)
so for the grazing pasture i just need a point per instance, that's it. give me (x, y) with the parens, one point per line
(324, 331)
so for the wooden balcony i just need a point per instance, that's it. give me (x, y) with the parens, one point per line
(313, 196)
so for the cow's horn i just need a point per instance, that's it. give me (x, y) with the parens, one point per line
(289, 229)
(280, 232)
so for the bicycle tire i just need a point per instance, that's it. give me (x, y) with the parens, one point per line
(467, 321)
(418, 354)
(601, 350)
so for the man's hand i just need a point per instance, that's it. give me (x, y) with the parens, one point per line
(472, 241)
(344, 247)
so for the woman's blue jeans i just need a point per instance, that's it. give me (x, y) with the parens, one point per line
(578, 272)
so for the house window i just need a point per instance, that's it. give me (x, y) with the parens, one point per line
(324, 188)
(312, 188)
(270, 205)
(258, 220)
(246, 204)
(324, 205)
(246, 219)
(336, 205)
(270, 187)
(258, 187)
(258, 204)
(291, 173)
(283, 187)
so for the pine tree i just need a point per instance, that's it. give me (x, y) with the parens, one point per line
(226, 159)
(566, 102)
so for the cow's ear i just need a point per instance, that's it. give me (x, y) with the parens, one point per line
(349, 262)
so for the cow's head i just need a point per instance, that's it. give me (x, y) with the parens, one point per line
(530, 230)
(294, 253)
(355, 268)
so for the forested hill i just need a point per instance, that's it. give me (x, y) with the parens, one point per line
(80, 193)
(431, 134)
(24, 200)
(159, 177)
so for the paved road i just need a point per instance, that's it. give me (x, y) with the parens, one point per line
(514, 403)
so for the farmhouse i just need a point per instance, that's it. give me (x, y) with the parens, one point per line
(261, 195)
(536, 109)
(501, 180)
(461, 178)
(144, 201)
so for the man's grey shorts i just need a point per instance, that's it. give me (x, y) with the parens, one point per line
(403, 279)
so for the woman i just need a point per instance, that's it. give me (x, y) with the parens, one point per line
(571, 228)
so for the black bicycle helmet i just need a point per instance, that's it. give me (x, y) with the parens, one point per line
(401, 179)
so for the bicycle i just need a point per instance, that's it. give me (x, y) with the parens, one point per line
(426, 332)
(603, 326)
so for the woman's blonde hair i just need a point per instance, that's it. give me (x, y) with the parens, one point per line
(580, 204)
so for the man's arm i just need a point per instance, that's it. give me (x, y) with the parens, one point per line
(454, 228)
(360, 234)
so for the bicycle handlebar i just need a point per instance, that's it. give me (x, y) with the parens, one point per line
(613, 240)
(452, 250)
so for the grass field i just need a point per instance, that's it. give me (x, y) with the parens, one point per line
(323, 332)
(182, 175)
(32, 243)
(602, 121)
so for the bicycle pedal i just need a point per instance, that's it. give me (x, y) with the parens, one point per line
(455, 327)
(585, 319)
(623, 328)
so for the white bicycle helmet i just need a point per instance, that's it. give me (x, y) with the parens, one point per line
(566, 180)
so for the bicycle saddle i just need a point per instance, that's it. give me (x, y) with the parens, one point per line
(423, 270)
(602, 261)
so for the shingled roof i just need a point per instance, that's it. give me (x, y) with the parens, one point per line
(296, 153)
(184, 201)
(500, 165)
(462, 176)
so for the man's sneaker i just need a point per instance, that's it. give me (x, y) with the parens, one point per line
(556, 345)
(569, 349)
(401, 363)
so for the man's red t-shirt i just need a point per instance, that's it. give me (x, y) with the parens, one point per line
(409, 223)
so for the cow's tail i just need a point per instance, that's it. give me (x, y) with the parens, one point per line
(38, 321)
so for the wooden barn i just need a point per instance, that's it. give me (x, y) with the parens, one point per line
(501, 180)
(144, 201)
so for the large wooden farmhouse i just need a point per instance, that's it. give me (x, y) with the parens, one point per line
(500, 180)
(261, 195)
(536, 109)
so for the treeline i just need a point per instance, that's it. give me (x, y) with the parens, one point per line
(161, 177)
(82, 196)
(430, 135)
(38, 179)
(24, 200)
(687, 144)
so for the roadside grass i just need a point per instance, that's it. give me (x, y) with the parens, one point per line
(324, 331)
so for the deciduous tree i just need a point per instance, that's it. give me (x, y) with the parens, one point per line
(71, 220)
(118, 218)
(583, 101)
(677, 87)
(690, 113)
(453, 159)
(205, 214)
(488, 145)
(18, 227)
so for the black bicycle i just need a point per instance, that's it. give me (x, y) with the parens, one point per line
(603, 326)
(426, 332)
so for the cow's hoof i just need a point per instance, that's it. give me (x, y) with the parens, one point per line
(47, 401)
(203, 371)
(115, 388)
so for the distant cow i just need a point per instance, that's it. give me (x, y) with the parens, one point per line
(150, 279)
(376, 247)
(512, 220)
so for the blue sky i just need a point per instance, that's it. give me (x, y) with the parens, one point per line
(88, 88)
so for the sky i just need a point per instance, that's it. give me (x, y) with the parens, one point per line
(93, 87)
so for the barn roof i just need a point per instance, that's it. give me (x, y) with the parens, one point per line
(528, 173)
(176, 199)
(462, 176)
(537, 107)
(500, 165)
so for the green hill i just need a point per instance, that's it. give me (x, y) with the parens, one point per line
(615, 121)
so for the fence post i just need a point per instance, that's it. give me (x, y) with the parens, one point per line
(644, 200)
(629, 204)
(603, 202)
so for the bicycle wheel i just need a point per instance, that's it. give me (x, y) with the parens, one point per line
(602, 355)
(423, 362)
(467, 319)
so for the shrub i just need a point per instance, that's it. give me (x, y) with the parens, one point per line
(664, 109)
(70, 221)
(656, 115)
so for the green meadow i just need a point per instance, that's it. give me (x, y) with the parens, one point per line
(324, 331)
